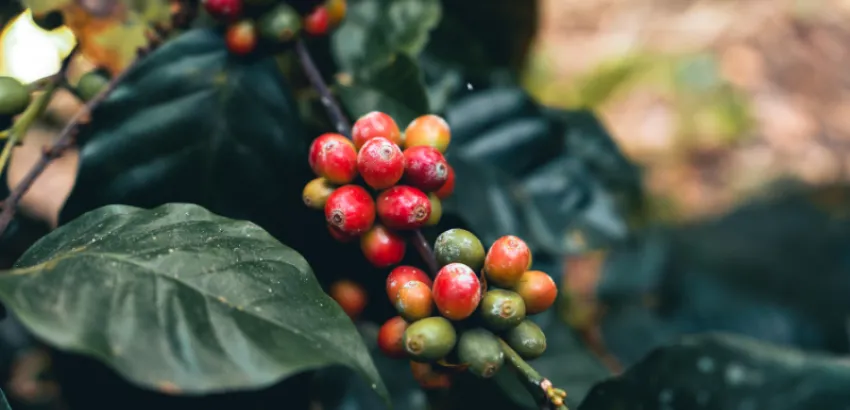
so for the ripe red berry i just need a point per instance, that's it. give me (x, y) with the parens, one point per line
(340, 236)
(318, 22)
(350, 296)
(404, 207)
(456, 291)
(382, 247)
(448, 187)
(425, 168)
(380, 162)
(241, 37)
(428, 377)
(375, 124)
(414, 301)
(429, 130)
(400, 276)
(225, 10)
(538, 291)
(390, 338)
(316, 193)
(350, 209)
(506, 261)
(333, 157)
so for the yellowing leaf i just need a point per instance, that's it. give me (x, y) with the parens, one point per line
(28, 52)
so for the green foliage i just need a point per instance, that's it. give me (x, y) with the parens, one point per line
(219, 303)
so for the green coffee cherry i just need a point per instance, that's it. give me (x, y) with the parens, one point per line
(429, 339)
(481, 351)
(280, 24)
(502, 309)
(14, 96)
(49, 21)
(527, 339)
(91, 83)
(459, 246)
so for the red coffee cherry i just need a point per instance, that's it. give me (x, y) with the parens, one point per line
(350, 296)
(425, 168)
(333, 157)
(506, 261)
(316, 193)
(400, 276)
(318, 22)
(404, 207)
(428, 130)
(340, 236)
(375, 124)
(448, 187)
(414, 301)
(390, 338)
(380, 162)
(456, 291)
(538, 291)
(241, 37)
(224, 10)
(382, 247)
(350, 209)
(428, 377)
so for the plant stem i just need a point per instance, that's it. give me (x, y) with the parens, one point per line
(64, 141)
(24, 122)
(535, 383)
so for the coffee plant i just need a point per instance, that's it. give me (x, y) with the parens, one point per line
(233, 238)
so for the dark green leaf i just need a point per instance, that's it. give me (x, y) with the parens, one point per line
(193, 123)
(718, 372)
(395, 89)
(4, 404)
(178, 298)
(375, 31)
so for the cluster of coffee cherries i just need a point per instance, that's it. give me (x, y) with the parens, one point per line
(273, 21)
(460, 319)
(381, 182)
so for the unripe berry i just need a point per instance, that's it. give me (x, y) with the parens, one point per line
(382, 247)
(436, 210)
(538, 290)
(390, 337)
(350, 209)
(404, 207)
(414, 301)
(481, 351)
(281, 24)
(428, 377)
(225, 10)
(333, 157)
(456, 291)
(350, 296)
(241, 37)
(375, 124)
(459, 246)
(429, 339)
(425, 168)
(337, 10)
(318, 22)
(429, 130)
(506, 261)
(502, 309)
(91, 84)
(14, 96)
(527, 339)
(316, 193)
(340, 236)
(380, 163)
(400, 276)
(448, 187)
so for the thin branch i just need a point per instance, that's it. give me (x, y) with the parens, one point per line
(536, 384)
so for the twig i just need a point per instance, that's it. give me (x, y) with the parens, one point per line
(535, 383)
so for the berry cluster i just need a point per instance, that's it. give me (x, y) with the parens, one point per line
(274, 21)
(406, 186)
(472, 311)
(456, 320)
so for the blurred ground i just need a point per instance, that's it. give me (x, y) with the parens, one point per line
(715, 98)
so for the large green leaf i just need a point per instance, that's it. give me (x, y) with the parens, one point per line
(193, 123)
(180, 299)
